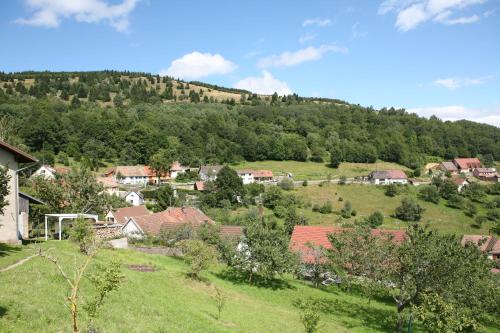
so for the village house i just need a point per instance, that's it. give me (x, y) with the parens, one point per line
(460, 182)
(121, 215)
(111, 186)
(249, 176)
(10, 158)
(209, 172)
(177, 169)
(24, 212)
(170, 219)
(488, 174)
(129, 175)
(134, 198)
(487, 244)
(50, 173)
(305, 239)
(153, 178)
(448, 167)
(467, 165)
(387, 177)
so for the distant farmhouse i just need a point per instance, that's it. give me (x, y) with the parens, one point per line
(487, 174)
(467, 165)
(449, 167)
(209, 172)
(134, 198)
(388, 177)
(142, 174)
(50, 173)
(249, 176)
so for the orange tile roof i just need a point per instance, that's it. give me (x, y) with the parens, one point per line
(171, 218)
(123, 214)
(467, 163)
(231, 231)
(488, 243)
(200, 186)
(317, 236)
(107, 182)
(263, 174)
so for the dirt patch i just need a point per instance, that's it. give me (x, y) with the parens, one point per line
(142, 268)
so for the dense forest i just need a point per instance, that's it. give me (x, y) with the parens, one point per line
(57, 115)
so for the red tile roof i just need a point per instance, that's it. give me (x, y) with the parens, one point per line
(123, 214)
(488, 243)
(20, 155)
(107, 182)
(231, 231)
(200, 186)
(305, 236)
(171, 218)
(459, 181)
(467, 163)
(263, 174)
(176, 166)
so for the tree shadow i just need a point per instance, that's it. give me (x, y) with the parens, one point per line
(3, 311)
(257, 281)
(6, 249)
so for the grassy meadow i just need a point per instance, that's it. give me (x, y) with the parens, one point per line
(167, 301)
(317, 171)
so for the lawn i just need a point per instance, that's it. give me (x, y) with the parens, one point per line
(167, 301)
(316, 171)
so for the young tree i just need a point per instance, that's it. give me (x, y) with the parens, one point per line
(309, 313)
(160, 162)
(448, 188)
(198, 255)
(165, 197)
(292, 218)
(220, 300)
(391, 190)
(83, 234)
(346, 211)
(409, 210)
(375, 219)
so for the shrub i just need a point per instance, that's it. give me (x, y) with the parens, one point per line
(326, 208)
(409, 210)
(198, 255)
(346, 211)
(286, 184)
(429, 193)
(316, 208)
(341, 199)
(354, 212)
(391, 190)
(470, 209)
(479, 220)
(304, 183)
(493, 215)
(456, 201)
(279, 212)
(375, 219)
(309, 314)
(342, 180)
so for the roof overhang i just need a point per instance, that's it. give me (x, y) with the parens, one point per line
(20, 155)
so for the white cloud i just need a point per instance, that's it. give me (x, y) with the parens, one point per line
(306, 37)
(196, 65)
(288, 58)
(49, 13)
(265, 84)
(317, 22)
(356, 32)
(412, 13)
(456, 83)
(456, 112)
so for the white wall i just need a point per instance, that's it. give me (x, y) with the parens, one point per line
(8, 223)
(134, 180)
(247, 178)
(134, 199)
(130, 230)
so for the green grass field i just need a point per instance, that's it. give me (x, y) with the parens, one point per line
(315, 171)
(166, 300)
(366, 199)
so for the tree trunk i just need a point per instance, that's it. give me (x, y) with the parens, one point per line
(400, 326)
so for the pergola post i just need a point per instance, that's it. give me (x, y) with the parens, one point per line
(60, 228)
(46, 229)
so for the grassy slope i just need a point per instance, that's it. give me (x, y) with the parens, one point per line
(314, 171)
(166, 301)
(366, 199)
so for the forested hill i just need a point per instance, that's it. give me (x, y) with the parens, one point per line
(134, 128)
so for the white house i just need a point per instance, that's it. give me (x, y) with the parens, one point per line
(388, 177)
(246, 176)
(176, 169)
(209, 172)
(134, 198)
(45, 171)
(10, 157)
(111, 187)
(129, 174)
(461, 183)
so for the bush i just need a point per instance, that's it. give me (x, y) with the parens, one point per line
(470, 209)
(342, 180)
(354, 212)
(409, 210)
(430, 194)
(480, 220)
(279, 212)
(456, 201)
(493, 215)
(326, 208)
(346, 211)
(316, 208)
(198, 255)
(286, 184)
(375, 219)
(391, 190)
(304, 183)
(341, 199)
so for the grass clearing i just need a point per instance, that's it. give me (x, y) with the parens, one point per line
(317, 171)
(165, 300)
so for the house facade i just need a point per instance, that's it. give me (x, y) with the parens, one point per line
(177, 169)
(121, 215)
(246, 176)
(10, 158)
(461, 183)
(46, 172)
(488, 174)
(129, 175)
(133, 197)
(249, 176)
(449, 167)
(388, 177)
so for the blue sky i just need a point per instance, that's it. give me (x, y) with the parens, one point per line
(430, 56)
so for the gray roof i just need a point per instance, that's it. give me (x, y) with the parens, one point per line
(210, 170)
(449, 166)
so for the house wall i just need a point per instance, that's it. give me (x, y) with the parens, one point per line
(44, 172)
(134, 180)
(134, 199)
(247, 178)
(8, 224)
(131, 230)
(389, 181)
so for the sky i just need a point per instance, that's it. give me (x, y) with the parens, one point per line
(432, 57)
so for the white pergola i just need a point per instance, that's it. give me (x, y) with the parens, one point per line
(62, 217)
